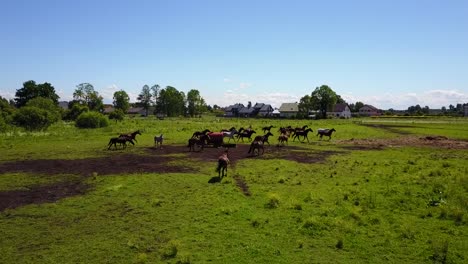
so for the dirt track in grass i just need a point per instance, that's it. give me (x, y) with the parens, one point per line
(169, 160)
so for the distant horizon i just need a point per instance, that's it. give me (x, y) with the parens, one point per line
(108, 98)
(389, 54)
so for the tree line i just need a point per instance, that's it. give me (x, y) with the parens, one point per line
(36, 106)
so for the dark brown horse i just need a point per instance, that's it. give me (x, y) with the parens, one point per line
(198, 134)
(256, 148)
(264, 138)
(197, 144)
(283, 138)
(325, 132)
(303, 134)
(158, 141)
(119, 140)
(131, 135)
(268, 128)
(245, 134)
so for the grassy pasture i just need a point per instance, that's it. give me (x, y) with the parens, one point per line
(396, 203)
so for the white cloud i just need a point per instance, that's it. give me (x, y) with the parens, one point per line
(226, 80)
(243, 85)
(7, 95)
(434, 99)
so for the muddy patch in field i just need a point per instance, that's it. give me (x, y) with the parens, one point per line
(116, 164)
(240, 182)
(404, 141)
(41, 194)
(390, 128)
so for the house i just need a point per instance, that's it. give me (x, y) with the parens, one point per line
(289, 109)
(137, 111)
(63, 105)
(233, 110)
(275, 113)
(263, 110)
(247, 112)
(369, 110)
(108, 108)
(340, 111)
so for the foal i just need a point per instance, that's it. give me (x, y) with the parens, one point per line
(158, 140)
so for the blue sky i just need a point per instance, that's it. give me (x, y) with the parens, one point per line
(391, 54)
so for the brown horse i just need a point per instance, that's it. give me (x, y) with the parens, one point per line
(264, 138)
(158, 141)
(268, 128)
(223, 162)
(197, 144)
(325, 132)
(303, 134)
(120, 140)
(245, 134)
(131, 135)
(198, 134)
(256, 148)
(282, 139)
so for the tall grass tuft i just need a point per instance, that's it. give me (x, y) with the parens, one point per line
(273, 201)
(440, 252)
(170, 249)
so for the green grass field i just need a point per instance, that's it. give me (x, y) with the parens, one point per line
(372, 203)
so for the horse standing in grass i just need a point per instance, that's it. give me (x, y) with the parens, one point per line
(131, 135)
(223, 162)
(325, 132)
(158, 141)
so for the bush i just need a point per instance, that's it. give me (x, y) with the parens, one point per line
(91, 120)
(3, 124)
(55, 112)
(33, 118)
(75, 111)
(117, 115)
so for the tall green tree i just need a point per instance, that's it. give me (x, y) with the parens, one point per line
(121, 101)
(155, 92)
(145, 98)
(86, 95)
(305, 105)
(323, 98)
(356, 106)
(195, 103)
(32, 90)
(171, 102)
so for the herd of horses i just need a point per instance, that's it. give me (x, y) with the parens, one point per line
(206, 137)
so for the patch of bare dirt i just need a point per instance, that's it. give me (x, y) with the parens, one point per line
(427, 141)
(114, 164)
(390, 128)
(155, 160)
(242, 185)
(41, 194)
